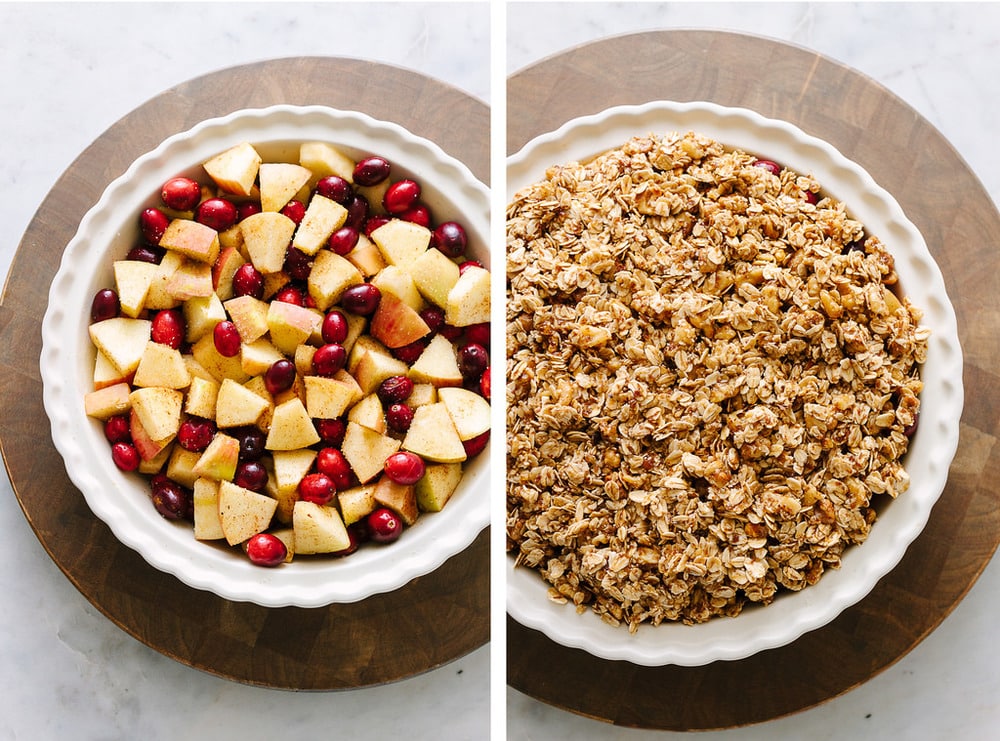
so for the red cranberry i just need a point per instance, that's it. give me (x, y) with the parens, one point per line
(331, 431)
(332, 462)
(400, 196)
(356, 536)
(911, 429)
(248, 281)
(317, 488)
(472, 360)
(294, 210)
(343, 240)
(335, 188)
(371, 171)
(474, 445)
(469, 264)
(812, 198)
(384, 525)
(265, 549)
(404, 467)
(772, 167)
(171, 500)
(217, 213)
(125, 456)
(478, 333)
(290, 295)
(168, 328)
(357, 212)
(329, 359)
(251, 441)
(181, 194)
(279, 376)
(117, 429)
(374, 222)
(418, 214)
(153, 222)
(484, 384)
(227, 339)
(409, 353)
(196, 433)
(361, 299)
(251, 475)
(247, 208)
(297, 264)
(450, 238)
(399, 417)
(104, 305)
(450, 332)
(146, 253)
(334, 328)
(394, 389)
(433, 317)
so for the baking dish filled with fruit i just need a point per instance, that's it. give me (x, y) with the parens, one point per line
(268, 346)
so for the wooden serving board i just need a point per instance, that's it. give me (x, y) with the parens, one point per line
(430, 621)
(960, 223)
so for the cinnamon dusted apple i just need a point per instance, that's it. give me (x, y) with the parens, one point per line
(294, 353)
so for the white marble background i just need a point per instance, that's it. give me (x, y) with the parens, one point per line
(942, 59)
(67, 73)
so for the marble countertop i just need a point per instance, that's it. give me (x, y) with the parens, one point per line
(72, 70)
(941, 58)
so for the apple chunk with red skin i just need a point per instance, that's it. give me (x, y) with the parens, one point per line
(396, 323)
(191, 239)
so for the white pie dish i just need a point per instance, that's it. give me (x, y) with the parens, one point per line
(122, 501)
(932, 448)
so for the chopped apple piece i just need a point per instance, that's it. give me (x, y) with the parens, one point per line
(249, 314)
(243, 513)
(439, 482)
(162, 365)
(108, 401)
(432, 435)
(303, 359)
(219, 459)
(258, 356)
(395, 323)
(191, 239)
(229, 261)
(122, 340)
(400, 498)
(323, 217)
(266, 236)
(158, 297)
(423, 393)
(331, 275)
(191, 280)
(318, 529)
(155, 464)
(132, 281)
(237, 405)
(328, 398)
(366, 450)
(401, 242)
(356, 503)
(235, 170)
(201, 314)
(207, 522)
(368, 413)
(287, 536)
(324, 159)
(469, 411)
(291, 325)
(437, 364)
(180, 466)
(159, 410)
(105, 373)
(279, 182)
(201, 397)
(218, 365)
(366, 257)
(148, 448)
(290, 466)
(469, 299)
(291, 427)
(434, 276)
(393, 280)
(375, 365)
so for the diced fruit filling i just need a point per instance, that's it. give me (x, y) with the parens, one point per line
(294, 353)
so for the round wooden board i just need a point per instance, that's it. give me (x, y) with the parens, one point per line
(432, 620)
(960, 223)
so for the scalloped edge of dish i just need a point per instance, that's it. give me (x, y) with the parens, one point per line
(449, 187)
(933, 447)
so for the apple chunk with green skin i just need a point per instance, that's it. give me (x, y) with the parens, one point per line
(159, 410)
(432, 435)
(469, 299)
(266, 236)
(191, 239)
(219, 459)
(396, 323)
(439, 482)
(291, 325)
(366, 450)
(235, 170)
(122, 340)
(318, 529)
(243, 513)
(279, 182)
(322, 218)
(469, 411)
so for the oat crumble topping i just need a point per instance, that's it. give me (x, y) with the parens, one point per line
(710, 381)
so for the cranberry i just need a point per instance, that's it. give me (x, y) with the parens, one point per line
(384, 525)
(125, 456)
(332, 462)
(812, 198)
(343, 240)
(371, 171)
(404, 467)
(171, 500)
(469, 264)
(418, 214)
(450, 238)
(772, 167)
(247, 208)
(196, 433)
(361, 299)
(248, 281)
(279, 376)
(335, 188)
(409, 353)
(168, 328)
(265, 549)
(104, 305)
(478, 333)
(450, 332)
(472, 360)
(181, 194)
(294, 210)
(217, 213)
(251, 441)
(399, 417)
(911, 429)
(374, 222)
(290, 295)
(331, 431)
(484, 384)
(394, 389)
(227, 339)
(317, 488)
(433, 317)
(146, 253)
(334, 328)
(474, 445)
(251, 475)
(117, 429)
(297, 264)
(357, 212)
(400, 196)
(329, 359)
(153, 222)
